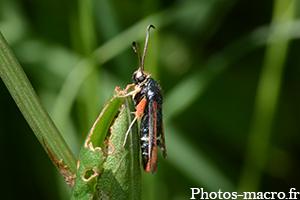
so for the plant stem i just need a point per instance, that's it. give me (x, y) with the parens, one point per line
(35, 114)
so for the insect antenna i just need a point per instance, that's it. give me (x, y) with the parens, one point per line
(146, 44)
(136, 49)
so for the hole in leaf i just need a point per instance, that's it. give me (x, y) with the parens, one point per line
(89, 173)
(109, 148)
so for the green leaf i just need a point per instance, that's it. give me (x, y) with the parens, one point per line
(121, 178)
(107, 170)
(90, 163)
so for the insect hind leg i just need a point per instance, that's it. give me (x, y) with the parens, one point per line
(163, 148)
(129, 128)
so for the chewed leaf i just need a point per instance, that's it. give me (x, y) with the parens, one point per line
(121, 176)
(90, 163)
(90, 166)
(89, 173)
(104, 121)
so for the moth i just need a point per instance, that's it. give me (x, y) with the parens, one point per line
(148, 101)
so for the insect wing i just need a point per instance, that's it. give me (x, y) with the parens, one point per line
(140, 108)
(162, 144)
(152, 136)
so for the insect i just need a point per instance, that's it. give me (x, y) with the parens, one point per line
(148, 100)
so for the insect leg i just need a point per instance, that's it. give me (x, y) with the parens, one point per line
(129, 128)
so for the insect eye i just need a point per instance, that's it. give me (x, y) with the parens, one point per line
(141, 78)
(138, 77)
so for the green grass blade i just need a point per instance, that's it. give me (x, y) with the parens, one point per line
(37, 117)
(267, 97)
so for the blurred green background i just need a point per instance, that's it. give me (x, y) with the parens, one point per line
(230, 76)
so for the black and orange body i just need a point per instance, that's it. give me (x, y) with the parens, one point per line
(151, 129)
(148, 100)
